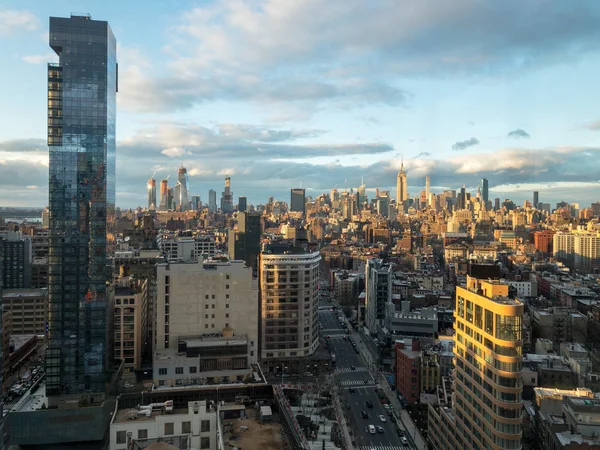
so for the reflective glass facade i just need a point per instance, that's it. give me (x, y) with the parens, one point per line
(81, 138)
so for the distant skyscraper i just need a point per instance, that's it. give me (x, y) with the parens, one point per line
(182, 198)
(362, 193)
(485, 193)
(242, 204)
(195, 202)
(536, 198)
(244, 243)
(496, 204)
(212, 200)
(427, 188)
(164, 195)
(82, 90)
(401, 186)
(462, 198)
(297, 200)
(152, 193)
(227, 197)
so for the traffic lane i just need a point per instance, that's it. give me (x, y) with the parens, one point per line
(329, 321)
(357, 404)
(344, 354)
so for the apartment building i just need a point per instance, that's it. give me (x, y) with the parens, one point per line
(131, 321)
(378, 281)
(186, 248)
(27, 309)
(289, 279)
(488, 384)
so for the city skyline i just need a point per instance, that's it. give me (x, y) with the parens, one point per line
(259, 122)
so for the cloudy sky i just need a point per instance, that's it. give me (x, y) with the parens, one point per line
(317, 93)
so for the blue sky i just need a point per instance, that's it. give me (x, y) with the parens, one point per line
(281, 94)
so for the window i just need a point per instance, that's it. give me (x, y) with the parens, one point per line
(206, 316)
(226, 295)
(162, 371)
(227, 315)
(478, 316)
(226, 305)
(206, 306)
(186, 427)
(227, 277)
(213, 305)
(213, 316)
(206, 296)
(205, 426)
(142, 434)
(169, 428)
(178, 370)
(226, 286)
(205, 442)
(121, 437)
(193, 369)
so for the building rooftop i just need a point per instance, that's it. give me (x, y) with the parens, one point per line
(16, 293)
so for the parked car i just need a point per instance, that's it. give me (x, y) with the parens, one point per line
(382, 418)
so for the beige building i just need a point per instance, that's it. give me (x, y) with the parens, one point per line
(289, 288)
(28, 310)
(206, 321)
(488, 386)
(131, 321)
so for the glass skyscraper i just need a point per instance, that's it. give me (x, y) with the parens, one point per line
(82, 91)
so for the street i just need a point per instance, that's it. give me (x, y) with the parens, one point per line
(356, 387)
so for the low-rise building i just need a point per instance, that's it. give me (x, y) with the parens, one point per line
(194, 426)
(131, 321)
(415, 324)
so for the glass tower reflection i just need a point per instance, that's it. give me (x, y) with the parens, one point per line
(81, 138)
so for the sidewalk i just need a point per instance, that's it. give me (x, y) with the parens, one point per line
(412, 433)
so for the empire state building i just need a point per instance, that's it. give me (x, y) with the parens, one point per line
(401, 186)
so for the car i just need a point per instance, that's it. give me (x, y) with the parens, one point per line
(344, 337)
(380, 429)
(351, 390)
(391, 413)
(364, 414)
(371, 429)
(369, 404)
(352, 367)
(356, 350)
(403, 440)
(382, 418)
(399, 432)
(347, 331)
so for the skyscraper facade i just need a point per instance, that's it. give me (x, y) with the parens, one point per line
(485, 191)
(401, 186)
(152, 193)
(212, 200)
(242, 204)
(297, 200)
(427, 188)
(227, 197)
(164, 195)
(82, 90)
(536, 198)
(182, 198)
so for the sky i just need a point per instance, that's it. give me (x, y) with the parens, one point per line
(281, 94)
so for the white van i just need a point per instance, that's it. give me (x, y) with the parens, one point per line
(372, 429)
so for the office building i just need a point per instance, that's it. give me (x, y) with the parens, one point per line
(488, 385)
(289, 279)
(212, 200)
(17, 261)
(242, 204)
(244, 243)
(195, 203)
(182, 198)
(485, 191)
(227, 197)
(28, 309)
(152, 193)
(297, 200)
(152, 426)
(536, 199)
(206, 321)
(130, 320)
(378, 283)
(401, 186)
(81, 137)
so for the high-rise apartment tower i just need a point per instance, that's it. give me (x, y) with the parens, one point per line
(82, 93)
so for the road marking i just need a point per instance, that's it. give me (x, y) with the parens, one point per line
(349, 370)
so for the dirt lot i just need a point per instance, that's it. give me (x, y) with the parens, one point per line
(259, 436)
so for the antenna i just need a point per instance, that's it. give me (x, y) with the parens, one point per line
(155, 172)
(167, 179)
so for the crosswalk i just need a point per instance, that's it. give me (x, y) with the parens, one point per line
(381, 447)
(349, 370)
(356, 383)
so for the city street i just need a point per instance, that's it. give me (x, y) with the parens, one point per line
(354, 380)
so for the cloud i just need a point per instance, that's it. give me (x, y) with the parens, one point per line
(174, 152)
(518, 134)
(311, 55)
(12, 22)
(422, 155)
(462, 145)
(594, 126)
(40, 59)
